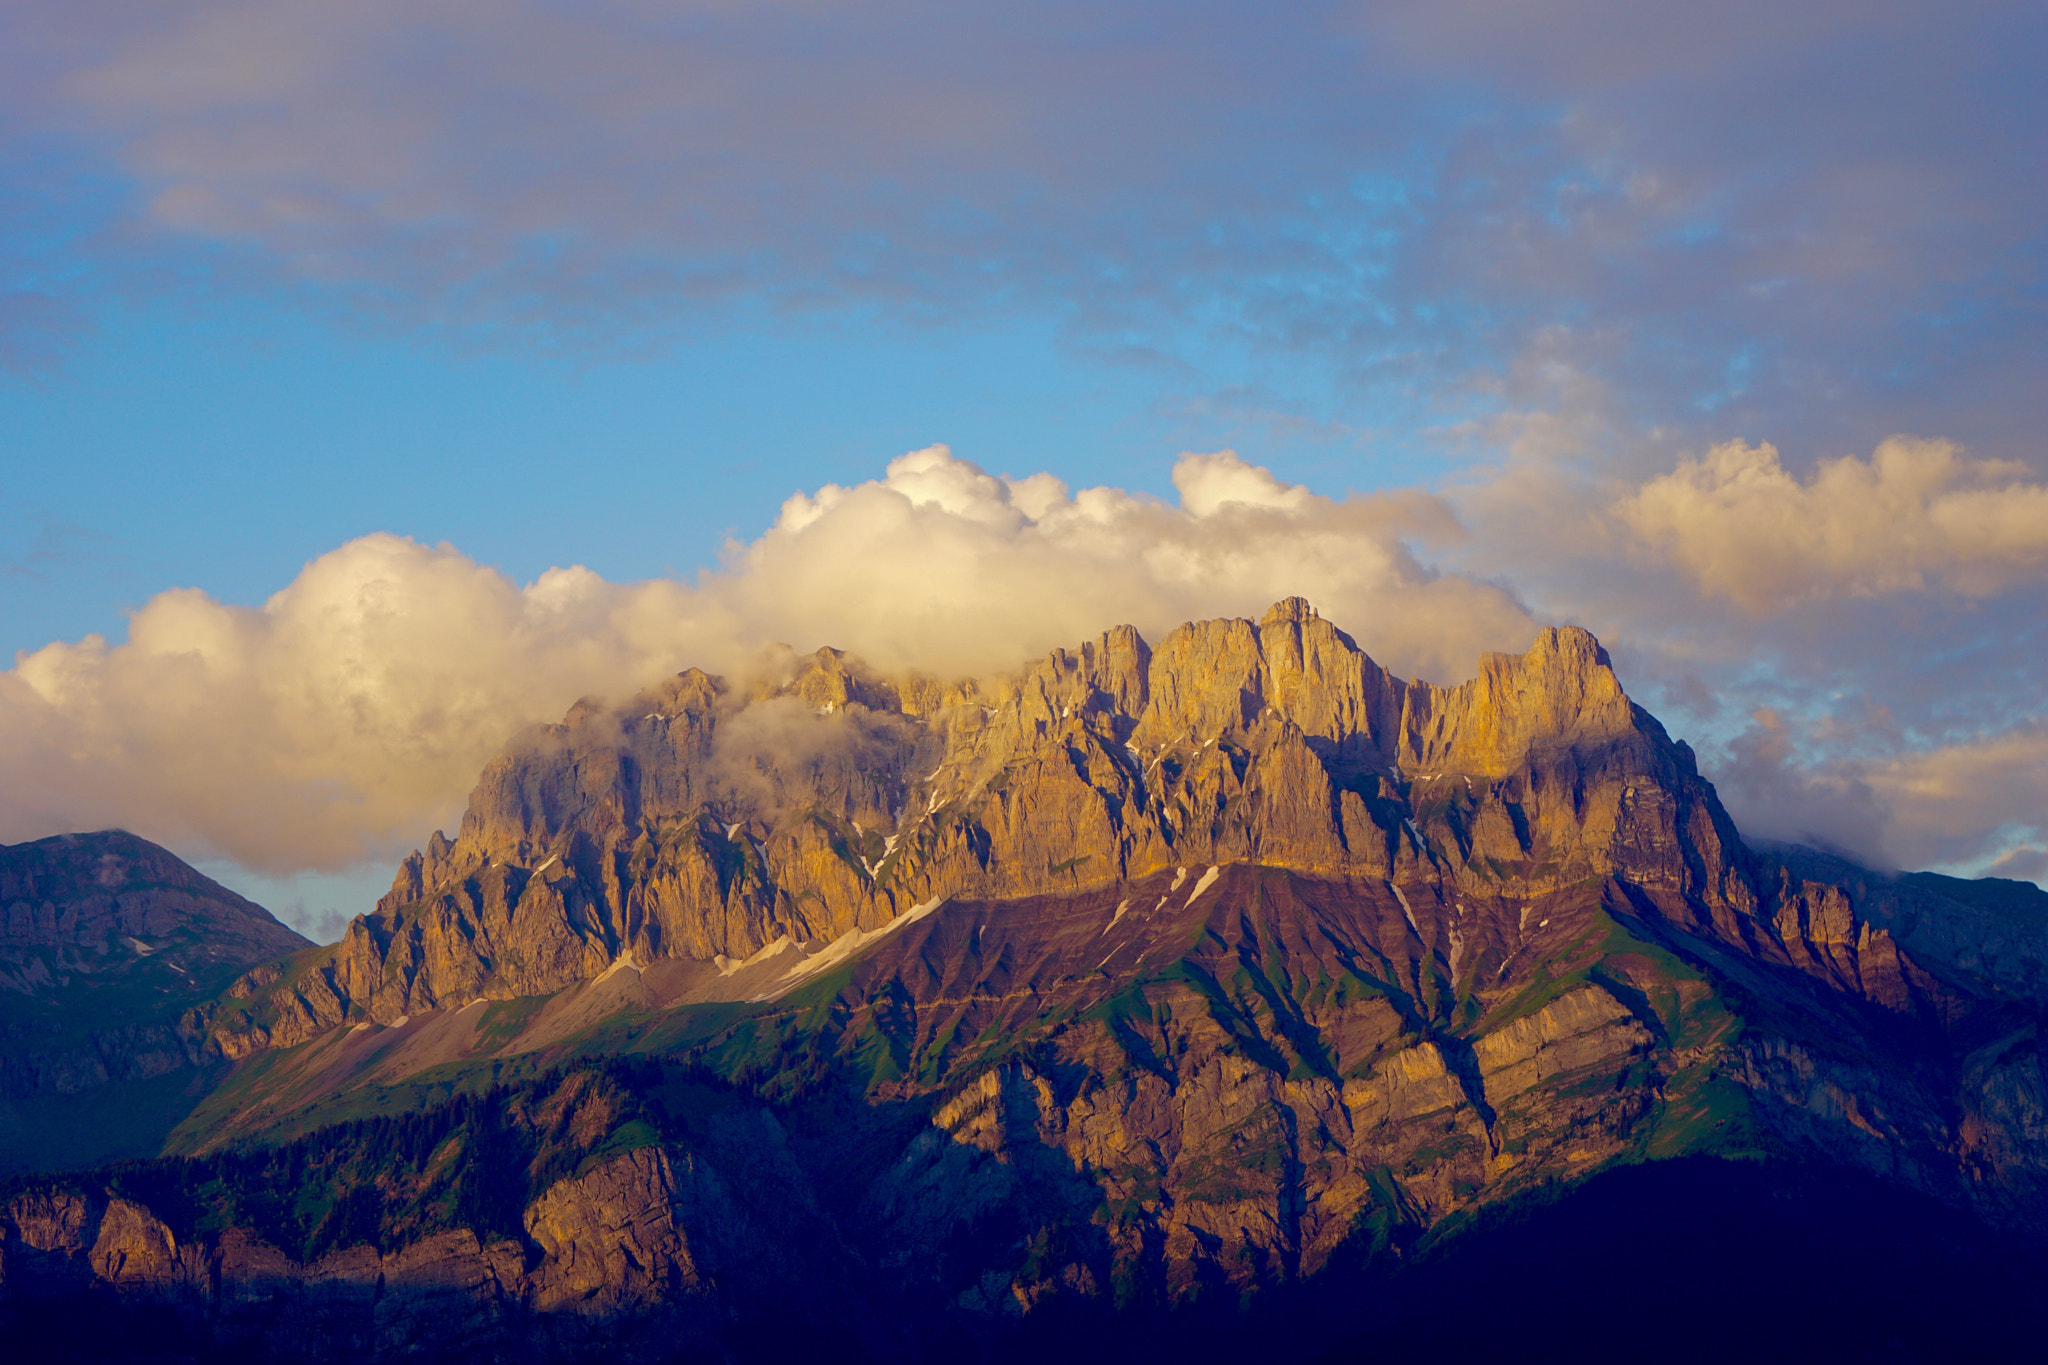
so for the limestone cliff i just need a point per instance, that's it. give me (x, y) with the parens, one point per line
(709, 819)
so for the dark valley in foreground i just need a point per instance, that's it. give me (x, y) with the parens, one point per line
(1224, 996)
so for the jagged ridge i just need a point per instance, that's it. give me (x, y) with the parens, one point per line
(704, 820)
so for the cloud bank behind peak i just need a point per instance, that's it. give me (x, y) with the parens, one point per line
(347, 715)
(1855, 654)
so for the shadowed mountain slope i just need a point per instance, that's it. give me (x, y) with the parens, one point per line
(110, 947)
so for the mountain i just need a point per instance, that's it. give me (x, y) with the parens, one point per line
(704, 821)
(1143, 996)
(110, 949)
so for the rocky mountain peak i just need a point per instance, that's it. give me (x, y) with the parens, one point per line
(1560, 693)
(1204, 965)
(830, 680)
(705, 820)
(1289, 609)
(1104, 995)
(1214, 677)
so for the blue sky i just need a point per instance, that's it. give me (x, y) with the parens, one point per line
(225, 451)
(1515, 296)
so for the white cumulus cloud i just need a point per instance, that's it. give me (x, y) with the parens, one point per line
(346, 716)
(1916, 513)
(1855, 652)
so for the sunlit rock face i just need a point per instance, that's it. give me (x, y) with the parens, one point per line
(712, 818)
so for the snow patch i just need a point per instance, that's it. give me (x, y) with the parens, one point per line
(1406, 908)
(732, 830)
(845, 946)
(139, 946)
(1208, 880)
(1121, 906)
(782, 944)
(623, 962)
(1180, 874)
(545, 866)
(727, 966)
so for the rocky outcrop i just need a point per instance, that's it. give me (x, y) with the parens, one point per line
(643, 1251)
(1584, 1028)
(1413, 1082)
(446, 1294)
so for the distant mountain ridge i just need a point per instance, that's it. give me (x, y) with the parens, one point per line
(110, 947)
